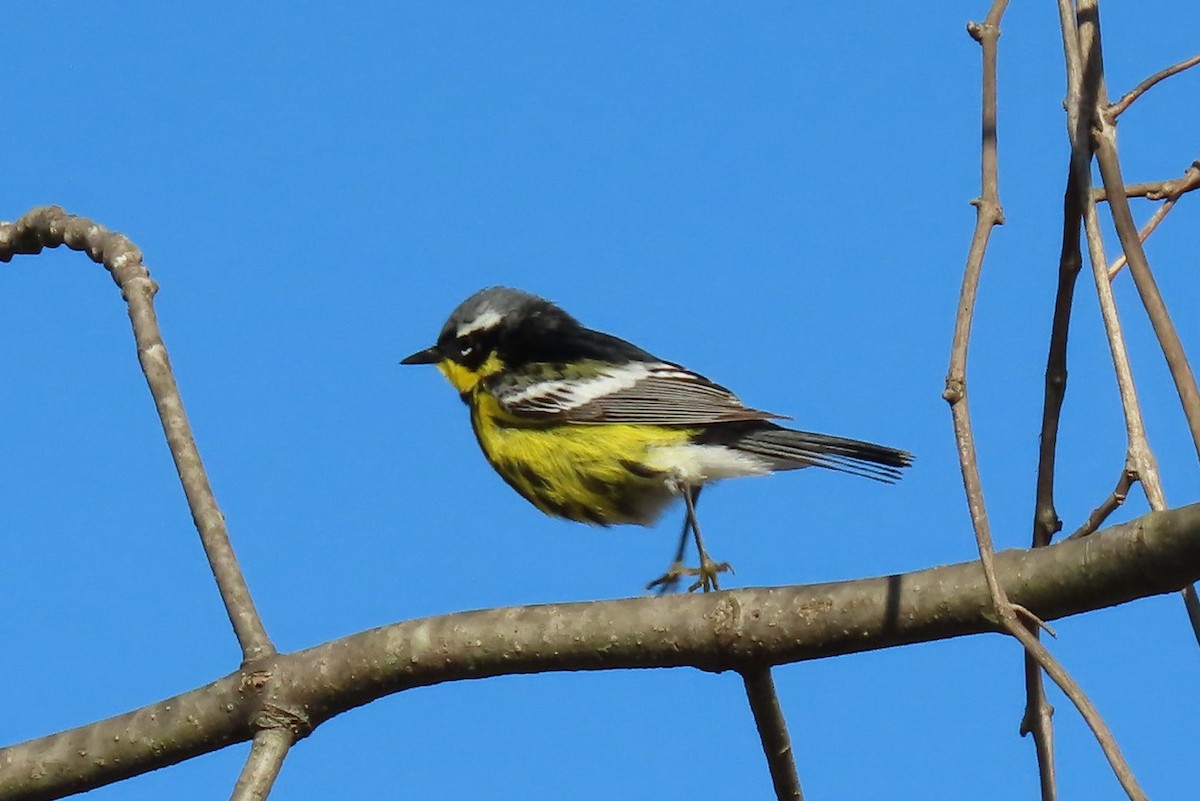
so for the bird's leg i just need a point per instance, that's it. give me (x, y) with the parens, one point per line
(667, 581)
(688, 522)
(708, 569)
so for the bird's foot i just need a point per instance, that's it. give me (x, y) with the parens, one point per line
(668, 581)
(706, 576)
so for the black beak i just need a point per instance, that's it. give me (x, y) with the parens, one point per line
(427, 356)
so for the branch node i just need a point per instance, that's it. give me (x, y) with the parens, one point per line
(955, 388)
(981, 30)
(1027, 725)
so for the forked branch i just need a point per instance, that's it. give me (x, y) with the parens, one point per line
(1172, 191)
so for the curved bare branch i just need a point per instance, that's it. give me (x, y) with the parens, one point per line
(50, 227)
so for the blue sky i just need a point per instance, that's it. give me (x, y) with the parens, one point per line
(775, 195)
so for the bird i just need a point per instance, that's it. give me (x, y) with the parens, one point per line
(591, 428)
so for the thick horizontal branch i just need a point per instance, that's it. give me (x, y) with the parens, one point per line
(1158, 553)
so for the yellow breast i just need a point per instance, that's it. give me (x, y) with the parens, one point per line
(589, 473)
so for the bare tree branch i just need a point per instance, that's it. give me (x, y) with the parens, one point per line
(1046, 522)
(49, 227)
(1143, 279)
(988, 215)
(267, 752)
(732, 630)
(1110, 504)
(772, 731)
(1116, 109)
(275, 699)
(1152, 301)
(1189, 181)
(1039, 713)
(1038, 720)
(1191, 602)
(1158, 190)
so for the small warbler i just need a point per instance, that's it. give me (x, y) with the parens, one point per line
(591, 428)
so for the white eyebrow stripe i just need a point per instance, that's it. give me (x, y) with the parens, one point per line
(487, 319)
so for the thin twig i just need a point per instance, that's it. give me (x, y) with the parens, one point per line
(267, 751)
(1038, 721)
(1143, 235)
(1158, 190)
(1190, 180)
(1192, 604)
(1147, 287)
(1116, 109)
(1082, 49)
(772, 731)
(1046, 522)
(1089, 712)
(988, 214)
(1139, 456)
(1038, 718)
(1143, 279)
(987, 217)
(50, 226)
(1110, 504)
(1032, 621)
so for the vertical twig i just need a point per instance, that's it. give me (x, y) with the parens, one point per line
(1147, 287)
(1143, 279)
(50, 226)
(1139, 265)
(773, 733)
(989, 214)
(1039, 713)
(1191, 602)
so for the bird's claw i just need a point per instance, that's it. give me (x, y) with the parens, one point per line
(706, 576)
(707, 573)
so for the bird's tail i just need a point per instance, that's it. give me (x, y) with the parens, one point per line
(787, 449)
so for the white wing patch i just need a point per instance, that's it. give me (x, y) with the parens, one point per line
(561, 395)
(647, 393)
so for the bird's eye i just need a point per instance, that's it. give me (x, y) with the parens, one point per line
(464, 347)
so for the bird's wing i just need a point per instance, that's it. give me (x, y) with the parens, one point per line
(647, 393)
